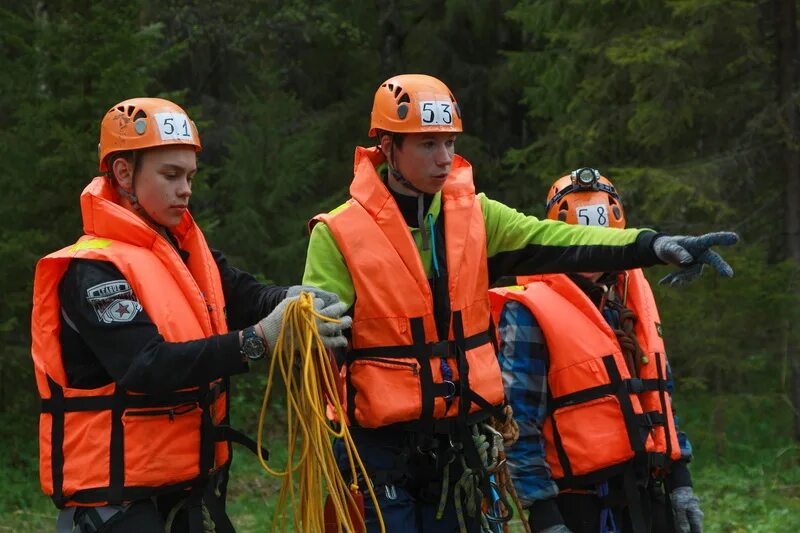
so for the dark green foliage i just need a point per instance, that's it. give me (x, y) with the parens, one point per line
(728, 336)
(63, 65)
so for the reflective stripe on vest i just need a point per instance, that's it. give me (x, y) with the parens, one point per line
(393, 374)
(598, 417)
(108, 445)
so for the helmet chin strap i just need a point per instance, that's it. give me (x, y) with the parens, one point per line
(420, 196)
(397, 175)
(403, 181)
(134, 200)
(137, 207)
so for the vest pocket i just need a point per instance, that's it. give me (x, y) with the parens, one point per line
(162, 445)
(593, 435)
(386, 391)
(84, 465)
(484, 376)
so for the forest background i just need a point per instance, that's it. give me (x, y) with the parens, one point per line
(689, 106)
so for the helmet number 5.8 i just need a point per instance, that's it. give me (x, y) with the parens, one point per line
(593, 215)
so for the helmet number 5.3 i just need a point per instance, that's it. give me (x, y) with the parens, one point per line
(593, 215)
(174, 126)
(436, 113)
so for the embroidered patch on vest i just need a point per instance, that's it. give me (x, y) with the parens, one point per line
(113, 301)
(659, 330)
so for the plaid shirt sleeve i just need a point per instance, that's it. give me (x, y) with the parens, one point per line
(683, 440)
(523, 360)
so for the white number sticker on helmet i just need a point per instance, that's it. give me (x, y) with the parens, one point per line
(436, 113)
(174, 127)
(593, 215)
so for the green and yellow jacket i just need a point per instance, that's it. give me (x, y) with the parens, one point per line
(517, 244)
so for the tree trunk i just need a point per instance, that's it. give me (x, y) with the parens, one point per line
(391, 37)
(786, 23)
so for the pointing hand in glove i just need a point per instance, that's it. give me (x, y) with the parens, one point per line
(692, 254)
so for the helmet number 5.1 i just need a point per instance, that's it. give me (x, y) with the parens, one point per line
(593, 215)
(174, 126)
(436, 113)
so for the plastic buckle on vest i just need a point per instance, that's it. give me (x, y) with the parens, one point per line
(656, 460)
(653, 418)
(440, 349)
(215, 390)
(634, 385)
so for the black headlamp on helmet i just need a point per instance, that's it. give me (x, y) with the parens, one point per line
(585, 178)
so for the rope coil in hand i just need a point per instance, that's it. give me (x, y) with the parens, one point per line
(308, 373)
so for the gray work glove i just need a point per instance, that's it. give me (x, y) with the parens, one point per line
(330, 332)
(271, 324)
(686, 508)
(328, 298)
(691, 254)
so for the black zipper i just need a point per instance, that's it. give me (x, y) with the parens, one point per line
(172, 412)
(413, 366)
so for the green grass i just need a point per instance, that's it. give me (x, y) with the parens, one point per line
(746, 469)
(22, 505)
(252, 492)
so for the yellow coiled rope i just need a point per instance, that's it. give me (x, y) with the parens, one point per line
(309, 432)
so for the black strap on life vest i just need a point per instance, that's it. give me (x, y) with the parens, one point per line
(635, 499)
(468, 396)
(117, 448)
(117, 403)
(225, 433)
(662, 396)
(420, 348)
(57, 410)
(425, 371)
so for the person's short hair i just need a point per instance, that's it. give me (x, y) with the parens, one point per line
(397, 138)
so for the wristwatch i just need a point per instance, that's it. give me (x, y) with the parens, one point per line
(253, 347)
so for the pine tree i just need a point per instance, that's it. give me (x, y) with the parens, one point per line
(64, 64)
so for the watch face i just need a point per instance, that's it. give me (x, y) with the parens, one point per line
(253, 347)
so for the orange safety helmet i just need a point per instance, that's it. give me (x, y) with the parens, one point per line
(144, 123)
(587, 198)
(414, 103)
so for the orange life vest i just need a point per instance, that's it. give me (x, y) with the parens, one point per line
(108, 445)
(393, 372)
(599, 416)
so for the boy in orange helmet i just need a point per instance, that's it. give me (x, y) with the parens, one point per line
(586, 374)
(136, 330)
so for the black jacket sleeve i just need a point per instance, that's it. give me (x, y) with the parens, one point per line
(247, 300)
(112, 338)
(538, 259)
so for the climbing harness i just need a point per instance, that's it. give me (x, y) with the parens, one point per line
(482, 491)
